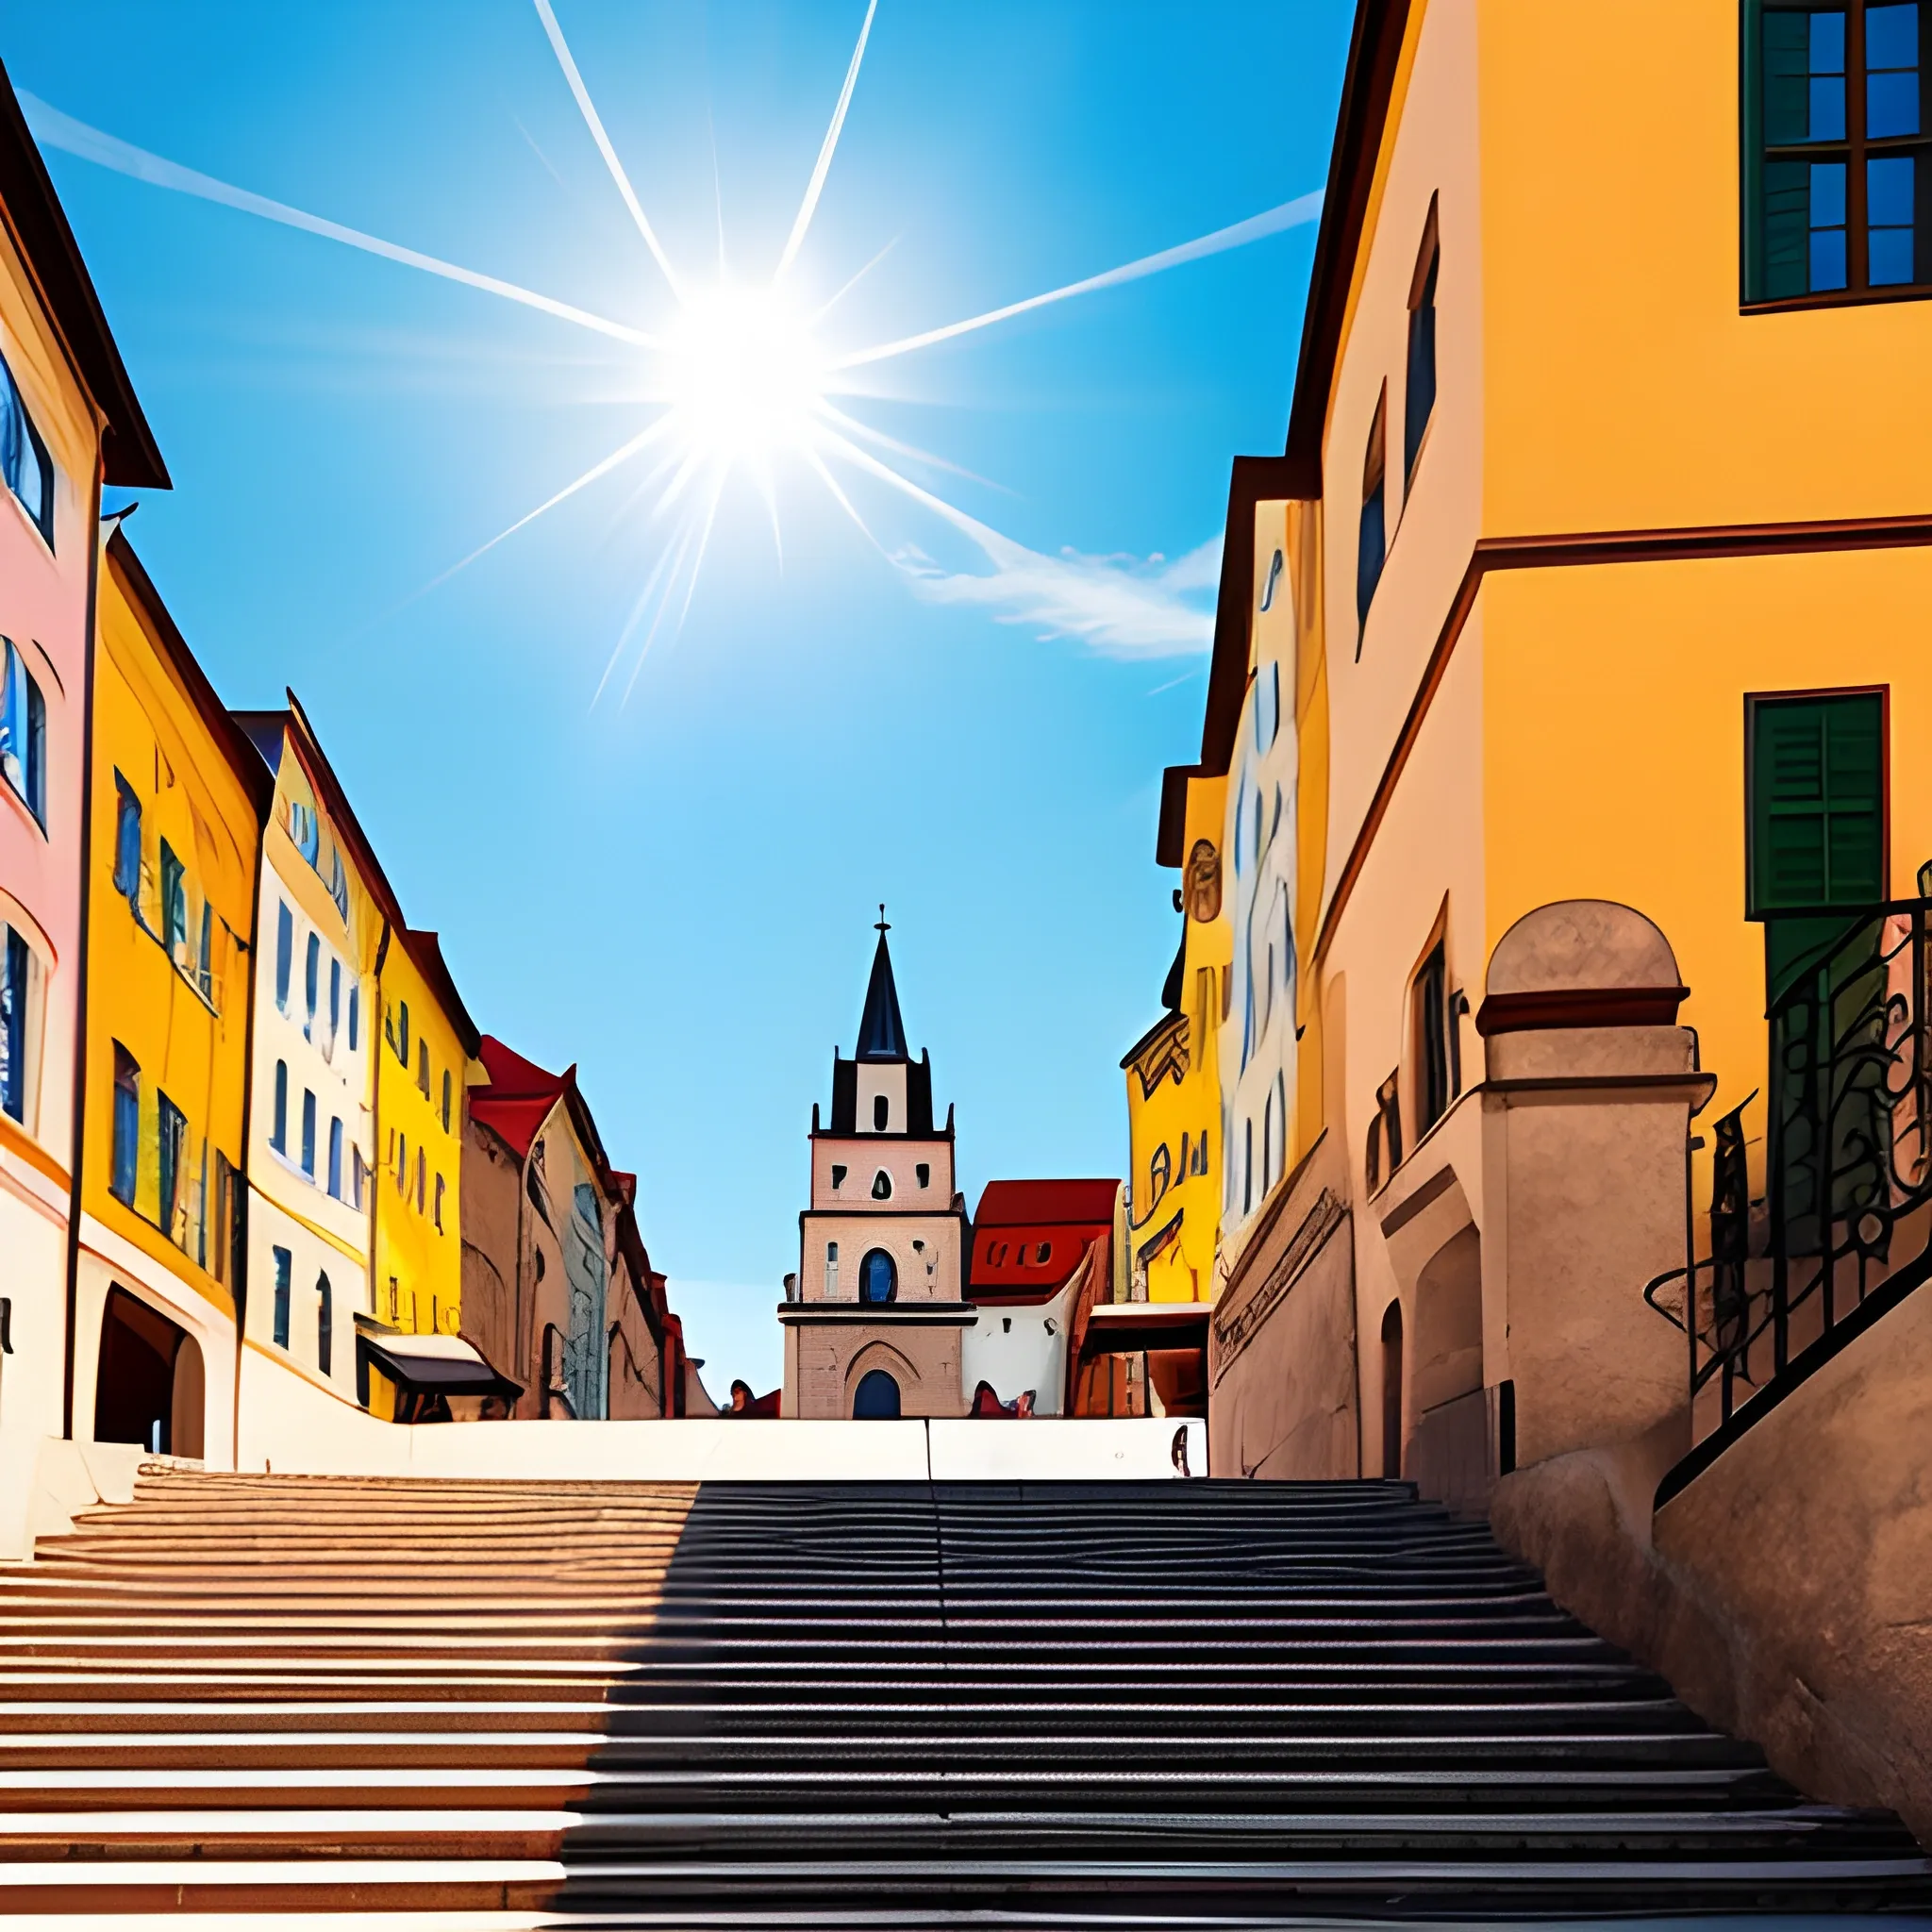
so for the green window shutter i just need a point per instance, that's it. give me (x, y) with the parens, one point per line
(1817, 809)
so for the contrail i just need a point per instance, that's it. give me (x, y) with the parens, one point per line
(1290, 214)
(816, 185)
(561, 48)
(52, 129)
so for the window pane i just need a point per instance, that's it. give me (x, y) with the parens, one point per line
(1888, 201)
(1892, 35)
(1828, 253)
(1892, 104)
(13, 1026)
(285, 954)
(1787, 68)
(35, 752)
(1828, 108)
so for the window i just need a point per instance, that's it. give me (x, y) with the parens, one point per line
(355, 1016)
(126, 1173)
(1268, 1143)
(173, 904)
(1838, 166)
(23, 459)
(1419, 387)
(309, 1134)
(882, 1186)
(1372, 543)
(831, 1271)
(1247, 1164)
(335, 1158)
(1160, 1172)
(1274, 581)
(876, 1397)
(285, 953)
(20, 1026)
(1043, 1253)
(878, 1278)
(922, 1173)
(311, 985)
(403, 1033)
(335, 1003)
(423, 1066)
(23, 734)
(339, 885)
(278, 1127)
(423, 1181)
(838, 1177)
(1815, 813)
(204, 975)
(448, 1098)
(285, 1268)
(324, 1323)
(881, 1112)
(358, 1178)
(1430, 1004)
(438, 1204)
(304, 829)
(403, 1167)
(174, 1138)
(127, 844)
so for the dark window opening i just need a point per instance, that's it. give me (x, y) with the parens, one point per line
(838, 1177)
(1431, 1040)
(23, 732)
(173, 904)
(14, 969)
(335, 1158)
(882, 1186)
(922, 1173)
(174, 1140)
(309, 1134)
(876, 1398)
(311, 985)
(325, 1324)
(278, 1126)
(878, 1278)
(1419, 391)
(1392, 1391)
(1838, 166)
(285, 953)
(285, 1268)
(1371, 544)
(127, 844)
(25, 464)
(126, 1156)
(881, 1111)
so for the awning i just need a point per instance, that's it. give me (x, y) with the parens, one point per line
(1131, 1327)
(437, 1365)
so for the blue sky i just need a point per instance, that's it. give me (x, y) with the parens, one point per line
(675, 889)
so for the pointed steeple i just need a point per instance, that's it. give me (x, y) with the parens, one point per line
(881, 1032)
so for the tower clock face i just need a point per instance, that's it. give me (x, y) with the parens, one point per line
(1202, 887)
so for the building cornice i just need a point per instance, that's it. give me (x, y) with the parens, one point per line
(1570, 549)
(888, 1314)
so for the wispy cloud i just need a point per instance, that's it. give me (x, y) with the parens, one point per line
(1120, 606)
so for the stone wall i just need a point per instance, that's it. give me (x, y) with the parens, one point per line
(1787, 1592)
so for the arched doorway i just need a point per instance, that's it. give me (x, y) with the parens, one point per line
(876, 1398)
(878, 1279)
(1391, 1390)
(150, 1387)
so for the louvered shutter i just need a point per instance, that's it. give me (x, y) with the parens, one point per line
(1818, 802)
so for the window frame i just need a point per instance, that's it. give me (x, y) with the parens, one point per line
(1853, 149)
(1374, 491)
(29, 754)
(1422, 289)
(1756, 908)
(23, 1015)
(35, 448)
(123, 1163)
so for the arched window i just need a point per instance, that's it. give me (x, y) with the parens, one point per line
(881, 1111)
(324, 1323)
(878, 1279)
(882, 1186)
(876, 1398)
(1391, 1390)
(1160, 1172)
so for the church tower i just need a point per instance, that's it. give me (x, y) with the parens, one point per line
(873, 1322)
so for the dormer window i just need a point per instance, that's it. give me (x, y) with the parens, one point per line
(881, 1112)
(882, 1186)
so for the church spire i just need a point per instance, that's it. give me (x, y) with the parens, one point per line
(881, 1032)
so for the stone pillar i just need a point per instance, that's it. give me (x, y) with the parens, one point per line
(1590, 1090)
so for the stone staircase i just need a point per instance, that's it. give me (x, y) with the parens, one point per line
(833, 1705)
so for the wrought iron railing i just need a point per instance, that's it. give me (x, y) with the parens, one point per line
(1847, 1202)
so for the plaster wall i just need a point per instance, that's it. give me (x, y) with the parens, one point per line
(865, 1156)
(33, 1237)
(311, 1254)
(922, 1358)
(1021, 1347)
(931, 1273)
(43, 611)
(1625, 388)
(1433, 519)
(875, 1080)
(491, 1239)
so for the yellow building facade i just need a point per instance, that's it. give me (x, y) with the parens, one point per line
(1605, 559)
(1175, 1116)
(425, 1063)
(178, 801)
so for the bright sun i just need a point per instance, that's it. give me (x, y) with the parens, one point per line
(743, 374)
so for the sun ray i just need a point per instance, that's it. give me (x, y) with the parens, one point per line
(1290, 214)
(984, 535)
(52, 129)
(845, 502)
(637, 610)
(815, 187)
(834, 414)
(855, 281)
(601, 468)
(561, 47)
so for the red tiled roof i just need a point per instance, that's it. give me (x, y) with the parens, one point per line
(520, 1095)
(1056, 1203)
